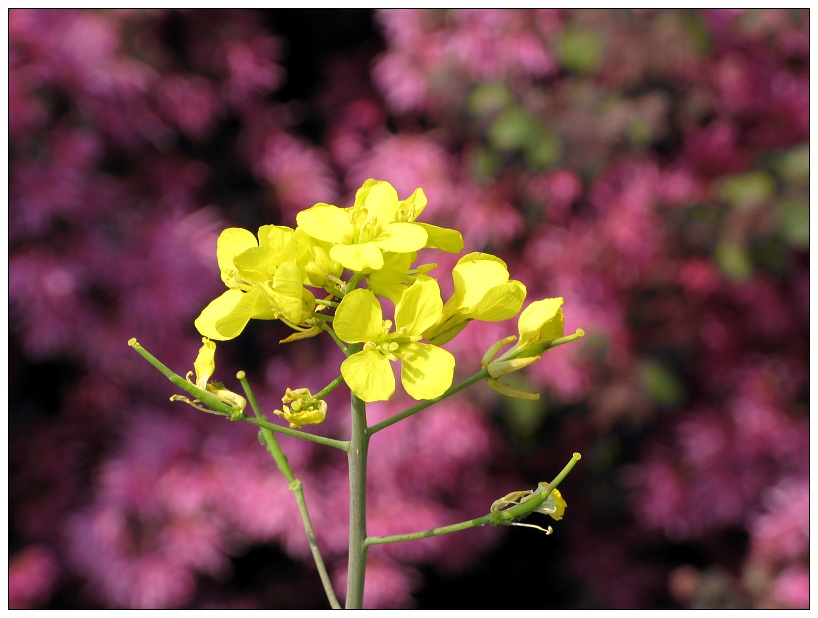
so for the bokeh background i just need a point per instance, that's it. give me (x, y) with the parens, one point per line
(649, 166)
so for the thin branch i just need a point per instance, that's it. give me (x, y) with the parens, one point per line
(482, 374)
(269, 440)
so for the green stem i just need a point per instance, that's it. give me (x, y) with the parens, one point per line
(329, 388)
(482, 374)
(425, 534)
(204, 396)
(222, 408)
(358, 447)
(321, 316)
(340, 343)
(518, 511)
(326, 303)
(541, 349)
(294, 433)
(353, 281)
(269, 440)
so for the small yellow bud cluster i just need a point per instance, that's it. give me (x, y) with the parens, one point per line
(304, 409)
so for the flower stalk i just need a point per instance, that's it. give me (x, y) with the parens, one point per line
(505, 517)
(357, 455)
(268, 276)
(269, 440)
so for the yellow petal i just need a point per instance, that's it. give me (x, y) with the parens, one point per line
(369, 375)
(554, 505)
(359, 317)
(215, 311)
(475, 276)
(205, 363)
(442, 238)
(420, 306)
(426, 370)
(380, 200)
(288, 291)
(401, 237)
(280, 242)
(542, 321)
(255, 264)
(250, 305)
(500, 302)
(232, 242)
(307, 416)
(412, 206)
(358, 258)
(392, 280)
(325, 222)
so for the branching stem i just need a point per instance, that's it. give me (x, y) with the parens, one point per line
(219, 407)
(480, 375)
(505, 516)
(269, 440)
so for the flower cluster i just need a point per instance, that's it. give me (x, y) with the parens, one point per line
(376, 239)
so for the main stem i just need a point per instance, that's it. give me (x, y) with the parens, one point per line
(358, 446)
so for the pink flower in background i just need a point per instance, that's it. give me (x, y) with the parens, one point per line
(791, 588)
(298, 173)
(136, 136)
(32, 575)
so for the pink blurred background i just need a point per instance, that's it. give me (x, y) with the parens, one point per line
(651, 167)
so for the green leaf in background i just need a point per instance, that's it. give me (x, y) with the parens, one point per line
(544, 151)
(485, 162)
(747, 190)
(581, 50)
(662, 386)
(697, 33)
(639, 132)
(517, 129)
(793, 165)
(489, 98)
(733, 260)
(513, 129)
(793, 221)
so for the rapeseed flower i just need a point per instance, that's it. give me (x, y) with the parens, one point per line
(377, 222)
(426, 370)
(482, 291)
(264, 282)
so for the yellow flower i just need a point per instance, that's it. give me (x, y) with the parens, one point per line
(541, 327)
(396, 275)
(304, 409)
(377, 222)
(482, 291)
(426, 370)
(540, 324)
(314, 260)
(264, 282)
